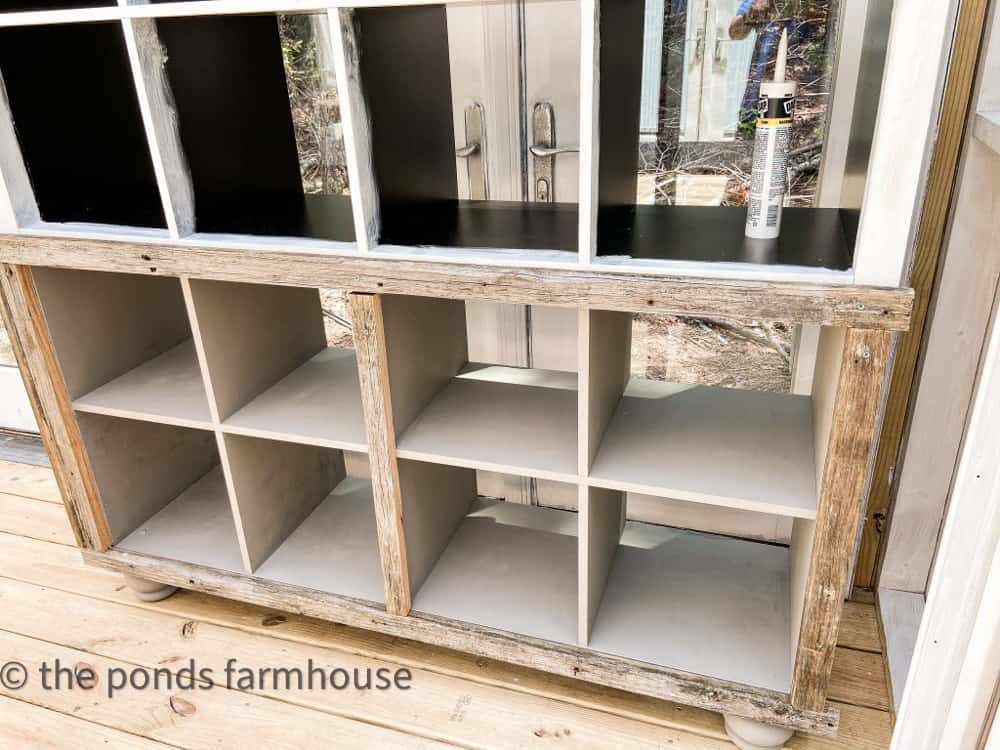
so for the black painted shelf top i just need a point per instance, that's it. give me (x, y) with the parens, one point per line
(810, 237)
(490, 224)
(313, 216)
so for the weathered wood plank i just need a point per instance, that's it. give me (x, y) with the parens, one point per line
(594, 287)
(859, 628)
(852, 441)
(860, 679)
(30, 727)
(32, 345)
(35, 519)
(373, 372)
(58, 567)
(37, 482)
(560, 659)
(188, 718)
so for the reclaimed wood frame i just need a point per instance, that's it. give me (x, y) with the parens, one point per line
(870, 315)
(865, 319)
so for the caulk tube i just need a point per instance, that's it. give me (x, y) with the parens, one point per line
(769, 173)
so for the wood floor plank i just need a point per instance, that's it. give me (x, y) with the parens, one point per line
(30, 727)
(859, 678)
(190, 719)
(61, 567)
(437, 707)
(859, 628)
(29, 481)
(35, 519)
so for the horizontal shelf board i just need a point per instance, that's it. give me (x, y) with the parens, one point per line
(313, 216)
(810, 237)
(520, 375)
(511, 571)
(317, 403)
(722, 446)
(197, 527)
(506, 427)
(704, 604)
(168, 388)
(477, 224)
(335, 549)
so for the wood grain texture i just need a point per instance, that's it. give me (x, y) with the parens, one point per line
(560, 659)
(852, 440)
(599, 288)
(357, 129)
(859, 628)
(32, 346)
(930, 236)
(37, 520)
(373, 372)
(446, 676)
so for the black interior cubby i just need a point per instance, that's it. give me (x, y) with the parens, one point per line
(406, 75)
(811, 237)
(228, 79)
(74, 107)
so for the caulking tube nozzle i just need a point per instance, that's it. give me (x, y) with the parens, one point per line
(779, 65)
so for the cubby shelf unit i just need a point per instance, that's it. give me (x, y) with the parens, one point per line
(206, 435)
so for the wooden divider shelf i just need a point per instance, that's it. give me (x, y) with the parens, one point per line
(735, 448)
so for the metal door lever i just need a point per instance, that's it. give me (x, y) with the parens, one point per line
(546, 151)
(474, 151)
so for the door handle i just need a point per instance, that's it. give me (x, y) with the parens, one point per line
(547, 151)
(544, 150)
(474, 151)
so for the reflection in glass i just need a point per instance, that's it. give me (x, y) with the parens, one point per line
(703, 62)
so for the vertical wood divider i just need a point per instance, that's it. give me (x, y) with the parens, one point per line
(32, 345)
(373, 372)
(213, 408)
(17, 198)
(590, 82)
(357, 129)
(603, 347)
(147, 59)
(853, 437)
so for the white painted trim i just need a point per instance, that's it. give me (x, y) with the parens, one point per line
(15, 408)
(357, 133)
(198, 8)
(590, 81)
(899, 613)
(986, 127)
(964, 584)
(17, 199)
(850, 47)
(146, 59)
(916, 62)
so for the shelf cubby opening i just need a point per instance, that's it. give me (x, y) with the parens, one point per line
(495, 417)
(163, 490)
(78, 123)
(742, 449)
(441, 153)
(124, 345)
(499, 564)
(273, 373)
(658, 594)
(259, 120)
(676, 132)
(307, 516)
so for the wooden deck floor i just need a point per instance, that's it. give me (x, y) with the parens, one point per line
(53, 607)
